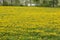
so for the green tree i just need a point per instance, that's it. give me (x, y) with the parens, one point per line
(5, 3)
(45, 3)
(37, 2)
(55, 3)
(0, 3)
(17, 2)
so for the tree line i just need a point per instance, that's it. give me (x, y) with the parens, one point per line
(45, 3)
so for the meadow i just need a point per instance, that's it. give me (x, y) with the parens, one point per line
(29, 23)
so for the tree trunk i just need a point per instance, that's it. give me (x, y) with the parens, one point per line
(3, 2)
(53, 3)
(11, 2)
(30, 2)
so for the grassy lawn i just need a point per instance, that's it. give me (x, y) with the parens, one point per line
(29, 23)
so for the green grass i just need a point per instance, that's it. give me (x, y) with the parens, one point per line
(29, 23)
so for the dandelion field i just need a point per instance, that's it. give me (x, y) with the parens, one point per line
(29, 23)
